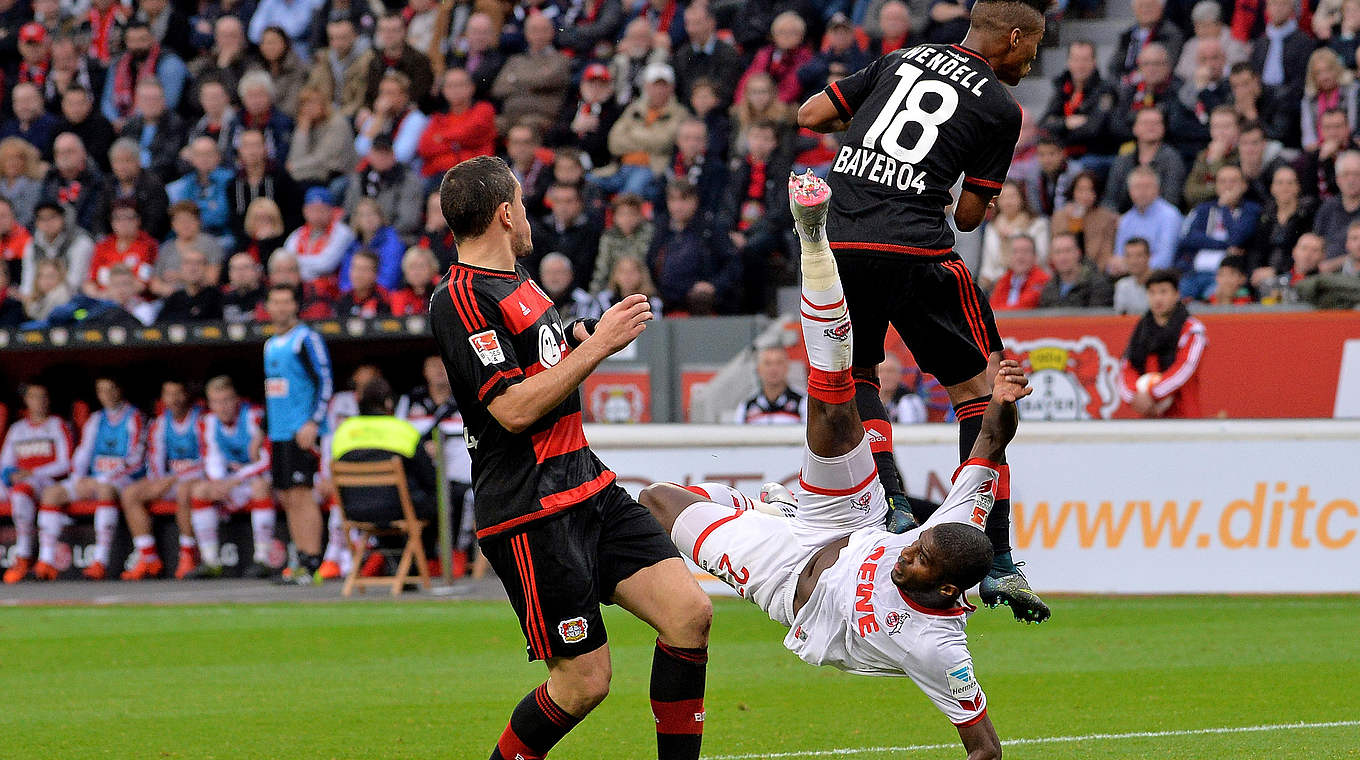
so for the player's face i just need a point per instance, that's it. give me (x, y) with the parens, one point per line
(1162, 298)
(174, 398)
(36, 402)
(108, 393)
(282, 307)
(521, 236)
(223, 404)
(917, 568)
(1016, 65)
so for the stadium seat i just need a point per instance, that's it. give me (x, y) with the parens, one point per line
(382, 474)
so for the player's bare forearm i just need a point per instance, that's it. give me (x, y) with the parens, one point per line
(970, 210)
(523, 404)
(1002, 418)
(980, 740)
(819, 115)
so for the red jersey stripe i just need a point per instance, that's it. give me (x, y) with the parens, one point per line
(579, 493)
(503, 374)
(987, 183)
(677, 718)
(836, 90)
(839, 491)
(699, 542)
(523, 307)
(890, 248)
(564, 437)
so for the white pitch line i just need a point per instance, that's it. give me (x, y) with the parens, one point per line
(1046, 740)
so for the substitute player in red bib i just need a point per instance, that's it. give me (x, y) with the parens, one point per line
(853, 595)
(917, 120)
(562, 536)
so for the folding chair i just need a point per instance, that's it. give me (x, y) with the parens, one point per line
(378, 474)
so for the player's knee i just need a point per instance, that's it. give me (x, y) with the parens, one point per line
(259, 489)
(585, 688)
(54, 495)
(689, 620)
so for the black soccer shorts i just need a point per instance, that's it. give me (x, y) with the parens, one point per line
(291, 466)
(560, 569)
(937, 308)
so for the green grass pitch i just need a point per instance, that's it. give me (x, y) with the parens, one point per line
(438, 679)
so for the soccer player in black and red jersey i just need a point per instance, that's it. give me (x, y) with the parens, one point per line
(562, 536)
(915, 120)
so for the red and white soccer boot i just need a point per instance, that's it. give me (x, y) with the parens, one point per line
(188, 562)
(45, 572)
(329, 570)
(146, 567)
(19, 570)
(96, 572)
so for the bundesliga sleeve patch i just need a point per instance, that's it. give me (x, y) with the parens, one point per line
(488, 347)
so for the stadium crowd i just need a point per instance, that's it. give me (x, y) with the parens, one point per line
(169, 160)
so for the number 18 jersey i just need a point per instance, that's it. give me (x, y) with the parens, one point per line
(918, 118)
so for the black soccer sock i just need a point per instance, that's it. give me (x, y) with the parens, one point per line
(969, 414)
(309, 562)
(876, 425)
(678, 700)
(535, 726)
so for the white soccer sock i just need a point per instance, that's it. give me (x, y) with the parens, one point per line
(721, 493)
(204, 520)
(335, 537)
(262, 532)
(187, 542)
(105, 523)
(50, 524)
(23, 512)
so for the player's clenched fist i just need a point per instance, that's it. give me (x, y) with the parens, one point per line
(623, 322)
(1011, 385)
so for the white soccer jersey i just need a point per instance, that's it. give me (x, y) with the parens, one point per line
(44, 448)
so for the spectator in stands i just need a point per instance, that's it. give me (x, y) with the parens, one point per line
(635, 51)
(693, 263)
(705, 56)
(322, 145)
(1336, 214)
(1328, 85)
(49, 290)
(1013, 217)
(1224, 134)
(286, 71)
(1207, 17)
(629, 236)
(1083, 216)
(782, 59)
(1150, 27)
(774, 403)
(321, 243)
(392, 54)
(142, 57)
(363, 297)
(20, 178)
(1317, 167)
(1130, 292)
(1343, 35)
(340, 71)
(1282, 53)
(257, 178)
(1155, 88)
(627, 277)
(1079, 110)
(168, 25)
(1023, 281)
(11, 309)
(144, 189)
(392, 116)
(535, 82)
(436, 234)
(35, 55)
(102, 25)
(71, 70)
(1253, 102)
(559, 278)
(419, 276)
(258, 112)
(229, 57)
(14, 238)
(185, 221)
(467, 129)
(245, 289)
(291, 17)
(586, 121)
(901, 399)
(196, 299)
(75, 183)
(1151, 151)
(644, 135)
(948, 22)
(1075, 283)
(692, 161)
(30, 122)
(55, 239)
(703, 102)
(1350, 266)
(1052, 184)
(216, 121)
(120, 304)
(1307, 259)
(1167, 343)
(208, 187)
(597, 24)
(758, 103)
(374, 234)
(159, 133)
(567, 229)
(79, 117)
(756, 213)
(840, 52)
(394, 186)
(569, 169)
(1230, 283)
(1288, 215)
(1215, 229)
(264, 231)
(478, 53)
(1259, 157)
(283, 270)
(128, 245)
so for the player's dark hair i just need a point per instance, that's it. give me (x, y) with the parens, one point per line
(1252, 126)
(369, 255)
(1169, 276)
(965, 554)
(1001, 16)
(294, 290)
(374, 397)
(1241, 66)
(1147, 247)
(1234, 262)
(472, 191)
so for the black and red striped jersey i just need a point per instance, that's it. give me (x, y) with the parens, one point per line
(919, 118)
(494, 329)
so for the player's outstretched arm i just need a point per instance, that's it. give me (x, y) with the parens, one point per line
(1002, 418)
(980, 740)
(523, 404)
(970, 210)
(819, 115)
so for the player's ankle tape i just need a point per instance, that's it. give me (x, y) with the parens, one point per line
(831, 387)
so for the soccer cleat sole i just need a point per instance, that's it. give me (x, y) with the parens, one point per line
(1012, 591)
(809, 199)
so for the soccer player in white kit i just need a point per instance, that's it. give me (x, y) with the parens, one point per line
(853, 595)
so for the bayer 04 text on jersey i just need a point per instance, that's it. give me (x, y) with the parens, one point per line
(876, 167)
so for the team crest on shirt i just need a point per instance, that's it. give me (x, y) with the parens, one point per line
(573, 631)
(862, 503)
(488, 347)
(894, 621)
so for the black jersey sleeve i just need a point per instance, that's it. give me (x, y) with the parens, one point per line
(986, 171)
(849, 93)
(478, 353)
